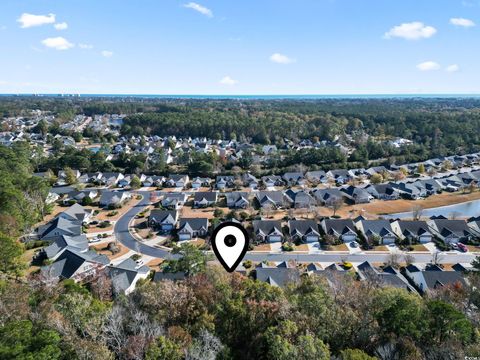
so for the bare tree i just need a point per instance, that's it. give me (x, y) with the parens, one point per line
(336, 205)
(393, 260)
(417, 211)
(205, 347)
(437, 258)
(408, 259)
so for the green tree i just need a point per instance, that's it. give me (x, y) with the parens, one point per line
(355, 354)
(192, 260)
(135, 183)
(164, 349)
(70, 177)
(11, 256)
(376, 179)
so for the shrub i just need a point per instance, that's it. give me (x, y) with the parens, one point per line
(247, 264)
(112, 213)
(104, 224)
(347, 265)
(136, 257)
(287, 247)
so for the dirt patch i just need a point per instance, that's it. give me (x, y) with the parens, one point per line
(341, 247)
(301, 247)
(155, 264)
(419, 247)
(262, 247)
(382, 248)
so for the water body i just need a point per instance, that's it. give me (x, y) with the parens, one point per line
(463, 210)
(262, 97)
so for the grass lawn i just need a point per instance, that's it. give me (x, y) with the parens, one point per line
(379, 248)
(419, 247)
(262, 247)
(341, 247)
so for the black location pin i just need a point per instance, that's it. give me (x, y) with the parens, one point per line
(230, 244)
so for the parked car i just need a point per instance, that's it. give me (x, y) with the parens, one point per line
(95, 240)
(354, 244)
(462, 247)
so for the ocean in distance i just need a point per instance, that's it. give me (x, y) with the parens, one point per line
(259, 97)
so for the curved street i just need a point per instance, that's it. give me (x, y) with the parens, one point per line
(124, 236)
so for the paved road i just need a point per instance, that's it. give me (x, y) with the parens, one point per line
(125, 238)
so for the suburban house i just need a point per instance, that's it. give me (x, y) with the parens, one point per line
(474, 224)
(250, 181)
(329, 197)
(433, 277)
(237, 200)
(317, 177)
(341, 176)
(199, 182)
(357, 195)
(71, 264)
(174, 200)
(165, 276)
(377, 228)
(451, 231)
(224, 182)
(125, 275)
(268, 230)
(300, 199)
(413, 231)
(111, 179)
(303, 230)
(77, 243)
(380, 170)
(150, 181)
(192, 227)
(270, 199)
(205, 199)
(77, 212)
(59, 227)
(111, 199)
(388, 276)
(383, 191)
(165, 220)
(177, 181)
(80, 195)
(343, 229)
(272, 181)
(277, 276)
(294, 178)
(410, 191)
(431, 186)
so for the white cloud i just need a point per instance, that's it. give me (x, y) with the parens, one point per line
(107, 54)
(2, 82)
(201, 9)
(452, 68)
(61, 26)
(462, 22)
(411, 31)
(29, 20)
(58, 43)
(227, 80)
(428, 66)
(281, 59)
(85, 46)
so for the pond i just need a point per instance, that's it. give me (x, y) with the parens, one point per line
(463, 210)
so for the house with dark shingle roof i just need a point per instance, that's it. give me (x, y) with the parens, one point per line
(237, 200)
(277, 276)
(272, 180)
(125, 275)
(270, 199)
(328, 197)
(77, 243)
(303, 230)
(190, 228)
(251, 181)
(451, 231)
(357, 195)
(300, 199)
(163, 276)
(386, 277)
(76, 265)
(174, 200)
(294, 178)
(383, 191)
(177, 181)
(77, 212)
(59, 227)
(377, 228)
(268, 230)
(414, 231)
(317, 177)
(205, 199)
(113, 198)
(343, 229)
(165, 220)
(433, 277)
(223, 182)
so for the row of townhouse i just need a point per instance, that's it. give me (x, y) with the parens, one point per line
(425, 278)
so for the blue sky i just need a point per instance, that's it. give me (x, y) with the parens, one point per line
(240, 47)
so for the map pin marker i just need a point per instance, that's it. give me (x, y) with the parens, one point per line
(230, 244)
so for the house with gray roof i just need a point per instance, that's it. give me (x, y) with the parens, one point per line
(303, 230)
(190, 228)
(59, 227)
(329, 197)
(413, 231)
(272, 181)
(177, 181)
(268, 231)
(224, 182)
(294, 178)
(433, 277)
(113, 199)
(383, 191)
(340, 176)
(300, 199)
(77, 212)
(164, 220)
(410, 191)
(79, 266)
(125, 275)
(343, 229)
(251, 181)
(174, 201)
(388, 276)
(205, 199)
(270, 199)
(317, 177)
(199, 182)
(451, 231)
(80, 195)
(164, 276)
(357, 195)
(377, 228)
(237, 200)
(77, 243)
(277, 276)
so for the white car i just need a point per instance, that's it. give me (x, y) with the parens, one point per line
(95, 240)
